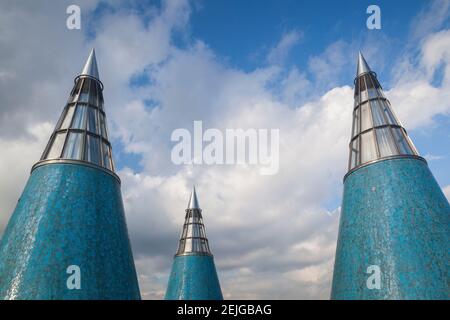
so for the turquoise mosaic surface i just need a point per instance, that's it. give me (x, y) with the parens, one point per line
(68, 215)
(394, 216)
(193, 277)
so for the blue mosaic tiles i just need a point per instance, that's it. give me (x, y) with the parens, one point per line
(68, 214)
(193, 277)
(394, 216)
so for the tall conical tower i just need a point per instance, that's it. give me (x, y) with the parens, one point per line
(193, 275)
(394, 232)
(67, 237)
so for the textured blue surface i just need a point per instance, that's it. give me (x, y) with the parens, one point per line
(193, 277)
(68, 215)
(394, 215)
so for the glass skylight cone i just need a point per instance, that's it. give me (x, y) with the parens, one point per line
(376, 133)
(81, 133)
(193, 238)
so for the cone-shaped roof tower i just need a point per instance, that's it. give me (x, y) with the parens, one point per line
(193, 237)
(394, 227)
(193, 275)
(377, 133)
(69, 222)
(81, 134)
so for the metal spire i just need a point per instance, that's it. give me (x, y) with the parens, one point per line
(193, 201)
(193, 238)
(363, 67)
(81, 134)
(377, 133)
(90, 68)
(193, 275)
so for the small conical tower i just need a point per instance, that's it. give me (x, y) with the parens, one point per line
(67, 237)
(193, 275)
(394, 231)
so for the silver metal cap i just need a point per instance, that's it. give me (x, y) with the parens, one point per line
(193, 201)
(363, 67)
(90, 68)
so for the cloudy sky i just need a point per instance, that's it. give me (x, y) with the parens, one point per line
(286, 65)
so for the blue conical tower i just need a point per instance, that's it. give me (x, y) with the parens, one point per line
(394, 232)
(193, 275)
(67, 237)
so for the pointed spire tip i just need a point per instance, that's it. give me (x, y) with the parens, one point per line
(193, 201)
(90, 68)
(363, 67)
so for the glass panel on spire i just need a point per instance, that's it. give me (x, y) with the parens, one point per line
(57, 146)
(75, 92)
(354, 152)
(401, 141)
(74, 146)
(107, 158)
(81, 133)
(92, 120)
(376, 132)
(84, 95)
(385, 142)
(103, 129)
(93, 93)
(93, 150)
(80, 116)
(68, 117)
(368, 147)
(377, 114)
(366, 118)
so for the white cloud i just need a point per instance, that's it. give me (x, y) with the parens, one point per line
(435, 53)
(16, 161)
(330, 63)
(279, 53)
(286, 237)
(276, 222)
(447, 192)
(295, 88)
(432, 157)
(430, 19)
(417, 99)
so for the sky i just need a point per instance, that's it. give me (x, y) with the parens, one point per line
(286, 65)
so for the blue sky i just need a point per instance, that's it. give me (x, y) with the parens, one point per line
(239, 29)
(243, 42)
(232, 64)
(241, 34)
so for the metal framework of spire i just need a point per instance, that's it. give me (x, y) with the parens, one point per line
(376, 133)
(193, 237)
(81, 134)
